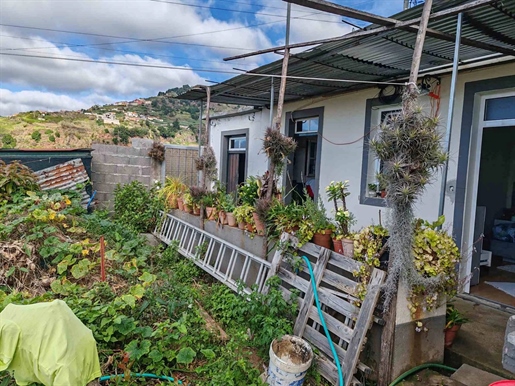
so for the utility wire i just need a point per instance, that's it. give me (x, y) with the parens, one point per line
(108, 49)
(201, 69)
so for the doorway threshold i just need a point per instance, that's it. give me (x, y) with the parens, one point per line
(488, 302)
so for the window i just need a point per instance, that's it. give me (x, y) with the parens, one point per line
(500, 108)
(235, 162)
(379, 116)
(308, 126)
(238, 143)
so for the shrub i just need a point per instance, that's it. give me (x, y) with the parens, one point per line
(49, 132)
(51, 138)
(15, 178)
(57, 134)
(136, 206)
(36, 135)
(8, 141)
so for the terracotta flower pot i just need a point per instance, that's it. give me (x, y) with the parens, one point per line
(210, 213)
(242, 225)
(323, 239)
(172, 202)
(187, 208)
(338, 246)
(250, 227)
(231, 221)
(180, 203)
(450, 334)
(383, 193)
(196, 210)
(260, 225)
(222, 217)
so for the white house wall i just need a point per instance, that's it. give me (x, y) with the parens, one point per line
(256, 123)
(344, 121)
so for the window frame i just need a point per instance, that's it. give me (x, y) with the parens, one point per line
(309, 132)
(373, 106)
(225, 143)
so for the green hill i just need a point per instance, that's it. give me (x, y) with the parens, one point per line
(158, 117)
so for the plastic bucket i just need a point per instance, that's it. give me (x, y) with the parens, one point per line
(503, 383)
(290, 359)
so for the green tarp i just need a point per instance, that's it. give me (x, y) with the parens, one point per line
(46, 343)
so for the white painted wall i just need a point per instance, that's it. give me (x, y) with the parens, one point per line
(257, 124)
(344, 121)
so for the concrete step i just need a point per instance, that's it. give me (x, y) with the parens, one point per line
(472, 376)
(430, 378)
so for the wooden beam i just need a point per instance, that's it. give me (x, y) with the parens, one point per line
(373, 31)
(419, 45)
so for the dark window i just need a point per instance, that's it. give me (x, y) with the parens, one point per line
(500, 108)
(236, 162)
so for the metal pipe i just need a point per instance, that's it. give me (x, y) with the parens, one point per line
(450, 113)
(272, 103)
(199, 177)
(288, 22)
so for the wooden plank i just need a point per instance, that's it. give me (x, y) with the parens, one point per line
(333, 324)
(344, 262)
(319, 340)
(276, 262)
(343, 307)
(307, 303)
(364, 320)
(374, 31)
(342, 283)
(293, 279)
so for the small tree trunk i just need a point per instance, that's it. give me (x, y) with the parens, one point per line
(387, 345)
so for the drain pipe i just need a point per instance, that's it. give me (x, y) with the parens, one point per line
(450, 113)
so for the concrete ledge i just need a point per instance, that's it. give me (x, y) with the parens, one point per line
(472, 376)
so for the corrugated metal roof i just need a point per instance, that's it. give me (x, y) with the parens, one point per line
(65, 176)
(380, 58)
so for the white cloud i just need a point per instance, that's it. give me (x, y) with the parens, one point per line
(13, 102)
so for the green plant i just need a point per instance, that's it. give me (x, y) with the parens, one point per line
(243, 213)
(173, 188)
(248, 193)
(187, 199)
(8, 141)
(51, 138)
(453, 317)
(197, 194)
(338, 191)
(15, 179)
(410, 149)
(36, 135)
(136, 206)
(372, 187)
(57, 134)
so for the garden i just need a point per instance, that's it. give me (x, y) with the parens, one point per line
(150, 310)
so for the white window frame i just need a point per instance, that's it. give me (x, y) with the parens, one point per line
(237, 149)
(309, 132)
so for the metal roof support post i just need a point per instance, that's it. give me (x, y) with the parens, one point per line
(199, 137)
(272, 102)
(450, 112)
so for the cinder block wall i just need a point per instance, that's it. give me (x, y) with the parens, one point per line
(112, 165)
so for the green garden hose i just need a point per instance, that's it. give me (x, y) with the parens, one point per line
(139, 375)
(417, 369)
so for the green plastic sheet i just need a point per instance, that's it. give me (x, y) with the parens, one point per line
(46, 343)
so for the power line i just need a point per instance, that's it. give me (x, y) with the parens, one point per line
(108, 49)
(202, 69)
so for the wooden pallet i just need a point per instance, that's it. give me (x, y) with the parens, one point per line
(347, 323)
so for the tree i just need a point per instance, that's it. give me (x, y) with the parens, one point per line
(176, 126)
(155, 104)
(8, 141)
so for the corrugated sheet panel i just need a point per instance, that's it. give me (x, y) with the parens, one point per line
(65, 176)
(383, 57)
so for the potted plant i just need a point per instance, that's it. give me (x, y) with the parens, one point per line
(243, 216)
(260, 214)
(172, 191)
(372, 190)
(209, 201)
(338, 192)
(315, 219)
(248, 193)
(454, 319)
(227, 208)
(197, 195)
(187, 202)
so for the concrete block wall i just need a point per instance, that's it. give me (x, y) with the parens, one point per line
(112, 165)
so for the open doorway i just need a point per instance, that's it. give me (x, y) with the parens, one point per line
(493, 256)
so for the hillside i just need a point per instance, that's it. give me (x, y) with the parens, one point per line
(159, 117)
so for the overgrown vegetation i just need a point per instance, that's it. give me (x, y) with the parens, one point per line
(149, 314)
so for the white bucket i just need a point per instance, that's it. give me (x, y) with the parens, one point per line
(290, 359)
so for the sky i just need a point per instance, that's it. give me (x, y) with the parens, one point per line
(84, 46)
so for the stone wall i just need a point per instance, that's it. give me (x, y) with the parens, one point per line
(113, 165)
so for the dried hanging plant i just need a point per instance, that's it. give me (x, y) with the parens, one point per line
(409, 145)
(207, 163)
(278, 147)
(157, 152)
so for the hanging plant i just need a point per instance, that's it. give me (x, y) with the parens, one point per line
(409, 146)
(278, 147)
(157, 152)
(207, 163)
